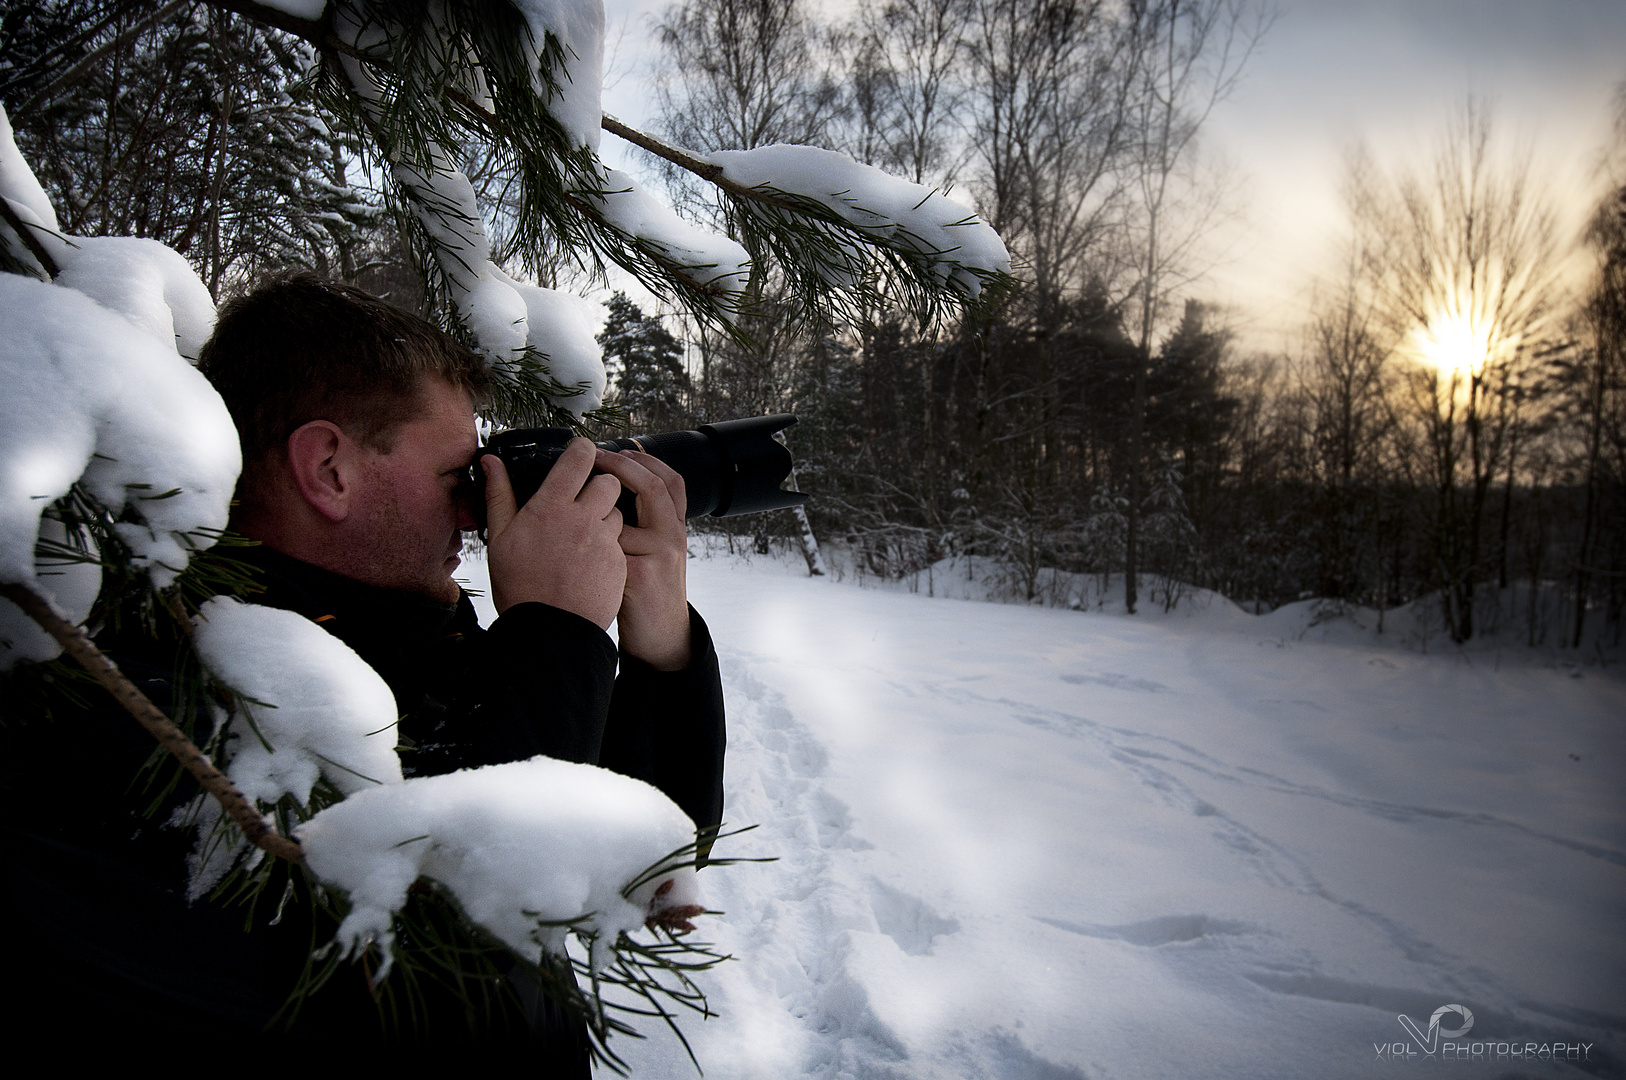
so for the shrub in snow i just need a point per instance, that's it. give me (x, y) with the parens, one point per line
(520, 846)
(307, 706)
(527, 848)
(961, 249)
(92, 400)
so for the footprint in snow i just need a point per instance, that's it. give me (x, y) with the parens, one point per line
(907, 920)
(1163, 930)
(1115, 681)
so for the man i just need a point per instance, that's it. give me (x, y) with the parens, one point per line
(357, 428)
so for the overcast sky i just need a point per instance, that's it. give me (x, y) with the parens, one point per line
(1330, 73)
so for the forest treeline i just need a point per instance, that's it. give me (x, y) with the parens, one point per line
(1453, 426)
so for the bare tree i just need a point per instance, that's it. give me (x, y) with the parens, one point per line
(1599, 385)
(1190, 55)
(1049, 100)
(905, 84)
(737, 74)
(1344, 383)
(1465, 263)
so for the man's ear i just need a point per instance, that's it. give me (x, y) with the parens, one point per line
(322, 459)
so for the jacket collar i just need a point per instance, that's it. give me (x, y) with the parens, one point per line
(380, 624)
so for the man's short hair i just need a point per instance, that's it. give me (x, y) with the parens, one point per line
(298, 349)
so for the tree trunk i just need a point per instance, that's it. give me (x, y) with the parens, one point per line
(1590, 515)
(810, 543)
(1137, 421)
(1507, 509)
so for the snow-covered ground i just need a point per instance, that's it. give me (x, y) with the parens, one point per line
(1018, 842)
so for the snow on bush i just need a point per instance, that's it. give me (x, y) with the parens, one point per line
(707, 257)
(529, 842)
(148, 283)
(579, 27)
(89, 398)
(887, 209)
(532, 840)
(505, 316)
(307, 705)
(71, 583)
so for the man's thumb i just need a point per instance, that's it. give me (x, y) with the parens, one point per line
(500, 508)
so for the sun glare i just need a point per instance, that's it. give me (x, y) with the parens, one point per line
(1453, 342)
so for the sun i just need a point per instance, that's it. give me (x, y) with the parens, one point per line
(1455, 342)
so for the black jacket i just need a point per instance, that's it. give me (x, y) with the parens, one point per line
(95, 885)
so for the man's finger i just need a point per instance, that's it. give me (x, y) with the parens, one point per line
(675, 487)
(564, 481)
(500, 508)
(600, 494)
(654, 500)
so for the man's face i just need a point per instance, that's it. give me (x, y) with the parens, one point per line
(410, 515)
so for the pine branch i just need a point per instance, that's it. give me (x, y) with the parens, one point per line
(314, 31)
(26, 234)
(710, 173)
(77, 644)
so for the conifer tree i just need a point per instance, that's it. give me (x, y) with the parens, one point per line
(645, 365)
(124, 458)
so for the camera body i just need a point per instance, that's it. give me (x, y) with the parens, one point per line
(728, 468)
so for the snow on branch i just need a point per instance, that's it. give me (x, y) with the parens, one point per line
(305, 706)
(531, 849)
(710, 260)
(72, 639)
(919, 223)
(524, 78)
(93, 400)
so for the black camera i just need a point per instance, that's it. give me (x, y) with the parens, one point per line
(730, 468)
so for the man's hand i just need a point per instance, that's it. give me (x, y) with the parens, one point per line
(561, 547)
(654, 616)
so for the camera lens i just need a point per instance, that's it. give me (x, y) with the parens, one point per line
(728, 468)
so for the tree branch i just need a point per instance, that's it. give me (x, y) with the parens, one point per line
(703, 169)
(77, 644)
(85, 63)
(712, 174)
(319, 35)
